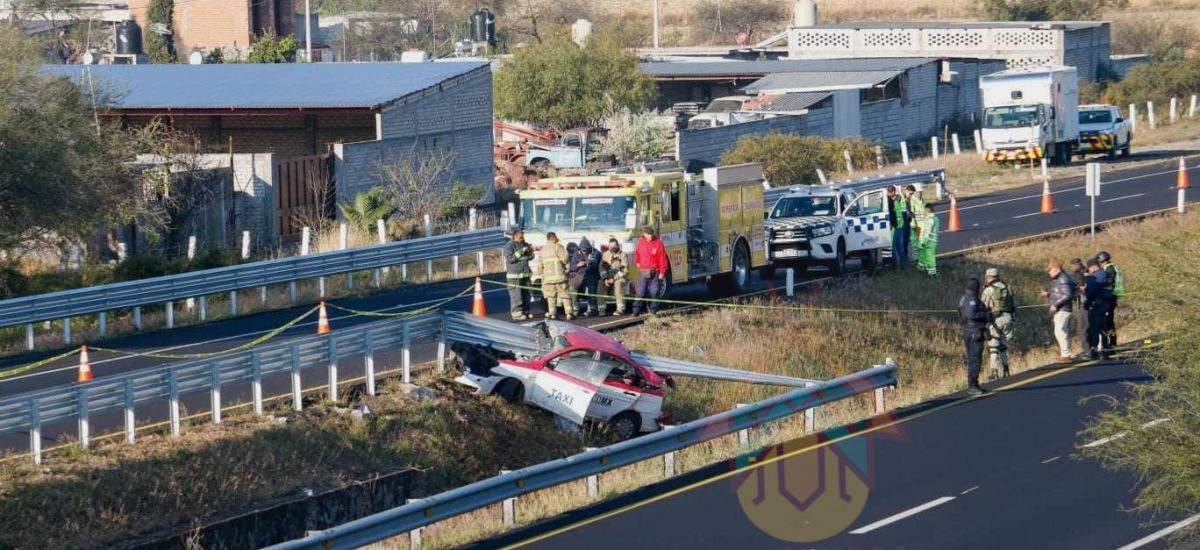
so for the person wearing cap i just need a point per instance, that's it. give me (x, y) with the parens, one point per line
(927, 241)
(650, 257)
(1062, 299)
(999, 300)
(613, 272)
(1097, 297)
(517, 254)
(554, 260)
(1116, 285)
(975, 319)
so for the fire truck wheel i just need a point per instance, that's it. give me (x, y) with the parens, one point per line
(741, 268)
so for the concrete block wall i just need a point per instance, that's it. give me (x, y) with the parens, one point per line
(894, 120)
(359, 166)
(460, 103)
(960, 96)
(254, 196)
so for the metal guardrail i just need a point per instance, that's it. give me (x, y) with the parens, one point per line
(97, 299)
(420, 513)
(667, 365)
(936, 176)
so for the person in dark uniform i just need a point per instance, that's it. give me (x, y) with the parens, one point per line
(1097, 299)
(975, 319)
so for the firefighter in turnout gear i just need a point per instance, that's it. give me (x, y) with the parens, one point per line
(927, 240)
(517, 254)
(554, 278)
(975, 319)
(998, 298)
(1116, 285)
(614, 275)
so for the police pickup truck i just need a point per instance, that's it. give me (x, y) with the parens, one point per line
(1102, 130)
(824, 225)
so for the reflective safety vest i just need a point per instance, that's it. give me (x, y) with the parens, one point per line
(929, 229)
(1118, 281)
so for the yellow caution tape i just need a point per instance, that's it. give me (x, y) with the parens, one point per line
(408, 313)
(245, 346)
(26, 368)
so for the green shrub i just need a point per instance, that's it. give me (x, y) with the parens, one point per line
(1048, 10)
(1157, 82)
(789, 159)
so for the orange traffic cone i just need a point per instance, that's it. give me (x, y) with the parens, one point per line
(1181, 182)
(323, 320)
(1047, 200)
(955, 224)
(85, 366)
(478, 307)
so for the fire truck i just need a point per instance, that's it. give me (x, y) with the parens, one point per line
(711, 226)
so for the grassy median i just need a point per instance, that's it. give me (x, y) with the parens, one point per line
(118, 491)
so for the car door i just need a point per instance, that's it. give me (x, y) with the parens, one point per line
(867, 218)
(567, 384)
(621, 388)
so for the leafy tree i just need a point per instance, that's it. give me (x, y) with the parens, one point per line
(1162, 37)
(161, 47)
(637, 136)
(564, 85)
(789, 159)
(374, 204)
(273, 49)
(1156, 82)
(1160, 453)
(725, 18)
(1048, 10)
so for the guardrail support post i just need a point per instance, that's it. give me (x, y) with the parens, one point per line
(102, 321)
(1150, 114)
(1174, 103)
(215, 392)
(790, 281)
(173, 391)
(35, 431)
(593, 486)
(743, 435)
(441, 347)
(292, 292)
(428, 263)
(381, 229)
(29, 336)
(130, 420)
(954, 143)
(1192, 107)
(880, 406)
(233, 309)
(1133, 117)
(510, 512)
(810, 420)
(256, 382)
(170, 311)
(343, 243)
(369, 363)
(474, 224)
(978, 142)
(405, 355)
(203, 308)
(669, 464)
(414, 536)
(297, 397)
(137, 318)
(904, 152)
(262, 295)
(933, 147)
(66, 330)
(84, 432)
(333, 367)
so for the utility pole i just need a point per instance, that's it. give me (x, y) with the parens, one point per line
(308, 31)
(655, 24)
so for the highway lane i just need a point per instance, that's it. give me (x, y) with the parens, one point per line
(989, 472)
(986, 218)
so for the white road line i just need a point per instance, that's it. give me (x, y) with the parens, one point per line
(1026, 215)
(1049, 460)
(1119, 435)
(893, 519)
(1160, 533)
(968, 490)
(128, 355)
(1125, 197)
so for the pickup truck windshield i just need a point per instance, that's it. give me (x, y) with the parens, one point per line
(1095, 117)
(576, 213)
(1014, 116)
(795, 207)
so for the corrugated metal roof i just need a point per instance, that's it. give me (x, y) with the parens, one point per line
(264, 86)
(1067, 25)
(817, 82)
(710, 68)
(782, 103)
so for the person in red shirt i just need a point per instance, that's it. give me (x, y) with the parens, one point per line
(650, 257)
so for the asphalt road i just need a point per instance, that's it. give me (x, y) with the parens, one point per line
(995, 471)
(986, 218)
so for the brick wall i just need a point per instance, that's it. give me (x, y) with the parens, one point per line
(227, 24)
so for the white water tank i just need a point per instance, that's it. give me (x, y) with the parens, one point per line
(805, 14)
(580, 31)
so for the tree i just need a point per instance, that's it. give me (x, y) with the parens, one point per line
(637, 136)
(160, 36)
(1048, 10)
(1156, 432)
(1156, 82)
(417, 182)
(789, 159)
(273, 49)
(374, 204)
(725, 18)
(564, 85)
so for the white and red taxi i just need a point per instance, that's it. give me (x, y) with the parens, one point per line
(585, 376)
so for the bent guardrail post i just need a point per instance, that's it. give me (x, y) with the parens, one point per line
(415, 515)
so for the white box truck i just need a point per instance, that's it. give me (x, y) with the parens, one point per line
(1030, 113)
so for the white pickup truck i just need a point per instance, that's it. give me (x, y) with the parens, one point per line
(824, 225)
(1103, 130)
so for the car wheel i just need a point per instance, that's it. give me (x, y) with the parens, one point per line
(511, 390)
(1125, 149)
(626, 425)
(839, 263)
(873, 260)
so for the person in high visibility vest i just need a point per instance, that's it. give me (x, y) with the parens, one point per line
(899, 216)
(927, 239)
(916, 205)
(1116, 284)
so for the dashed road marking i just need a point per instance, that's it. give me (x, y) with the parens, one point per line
(1160, 533)
(893, 519)
(1051, 459)
(1133, 196)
